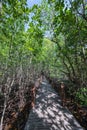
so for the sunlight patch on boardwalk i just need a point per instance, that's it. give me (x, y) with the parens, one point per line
(49, 114)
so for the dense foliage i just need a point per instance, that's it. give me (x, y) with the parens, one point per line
(69, 33)
(51, 37)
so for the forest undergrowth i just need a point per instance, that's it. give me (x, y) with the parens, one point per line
(16, 105)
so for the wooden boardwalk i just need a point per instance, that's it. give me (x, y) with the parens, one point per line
(48, 113)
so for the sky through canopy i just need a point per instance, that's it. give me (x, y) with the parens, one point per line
(32, 2)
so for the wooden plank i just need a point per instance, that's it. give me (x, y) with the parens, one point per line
(49, 114)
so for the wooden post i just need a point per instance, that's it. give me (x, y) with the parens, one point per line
(33, 93)
(34, 89)
(63, 93)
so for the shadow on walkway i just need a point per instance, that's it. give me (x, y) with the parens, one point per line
(49, 114)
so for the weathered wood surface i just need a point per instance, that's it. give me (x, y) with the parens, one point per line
(48, 113)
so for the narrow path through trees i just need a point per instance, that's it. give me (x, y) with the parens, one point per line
(48, 113)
